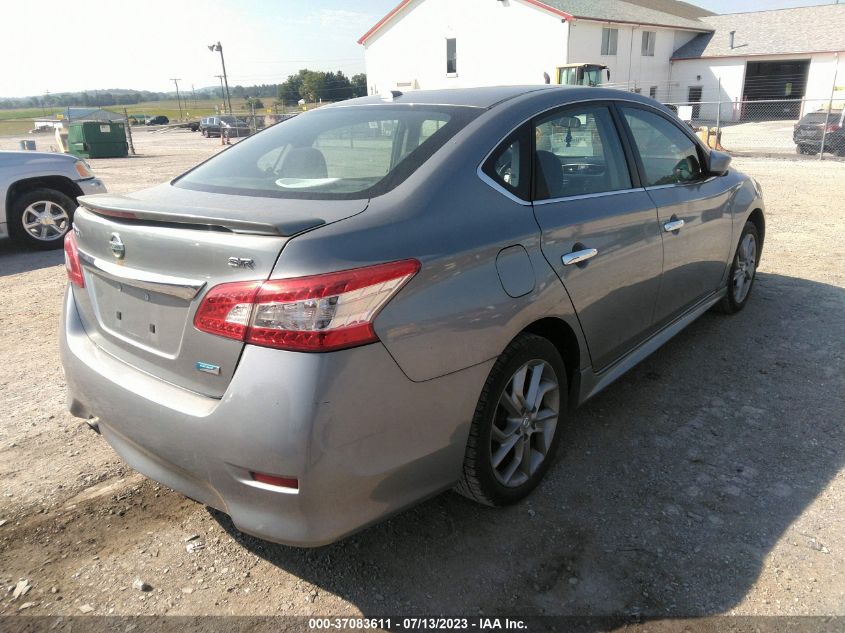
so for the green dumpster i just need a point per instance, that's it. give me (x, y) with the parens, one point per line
(96, 139)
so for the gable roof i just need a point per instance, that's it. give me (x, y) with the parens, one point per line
(778, 32)
(668, 13)
(77, 113)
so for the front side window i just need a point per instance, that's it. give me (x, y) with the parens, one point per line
(649, 38)
(578, 152)
(451, 56)
(344, 152)
(668, 155)
(609, 41)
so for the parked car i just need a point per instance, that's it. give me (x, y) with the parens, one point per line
(809, 130)
(232, 126)
(158, 120)
(399, 296)
(40, 192)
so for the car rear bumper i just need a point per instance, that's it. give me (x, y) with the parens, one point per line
(362, 439)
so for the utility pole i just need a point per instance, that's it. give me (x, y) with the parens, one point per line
(178, 100)
(222, 91)
(219, 48)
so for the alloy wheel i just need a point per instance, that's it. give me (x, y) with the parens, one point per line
(45, 220)
(746, 266)
(525, 423)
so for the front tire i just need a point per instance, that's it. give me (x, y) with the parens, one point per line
(41, 218)
(743, 270)
(515, 431)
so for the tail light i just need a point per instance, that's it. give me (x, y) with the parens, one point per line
(72, 265)
(833, 127)
(309, 314)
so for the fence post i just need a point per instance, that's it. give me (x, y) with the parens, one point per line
(830, 103)
(719, 113)
(128, 132)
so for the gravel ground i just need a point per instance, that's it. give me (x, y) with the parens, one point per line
(707, 481)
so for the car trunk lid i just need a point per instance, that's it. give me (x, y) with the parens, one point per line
(148, 263)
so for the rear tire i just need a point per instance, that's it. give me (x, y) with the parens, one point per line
(743, 271)
(520, 409)
(40, 218)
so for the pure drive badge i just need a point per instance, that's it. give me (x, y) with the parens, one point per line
(208, 368)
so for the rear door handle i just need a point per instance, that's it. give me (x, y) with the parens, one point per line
(674, 225)
(576, 257)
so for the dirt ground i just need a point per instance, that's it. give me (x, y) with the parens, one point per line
(709, 480)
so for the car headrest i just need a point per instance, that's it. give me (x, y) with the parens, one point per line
(548, 178)
(304, 162)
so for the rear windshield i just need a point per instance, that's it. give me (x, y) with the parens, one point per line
(334, 153)
(821, 117)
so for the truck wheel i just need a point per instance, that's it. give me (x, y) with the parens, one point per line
(40, 218)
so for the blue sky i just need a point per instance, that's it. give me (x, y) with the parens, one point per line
(264, 41)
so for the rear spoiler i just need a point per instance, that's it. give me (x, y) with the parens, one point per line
(132, 209)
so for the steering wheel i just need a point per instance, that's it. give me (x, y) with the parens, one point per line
(683, 171)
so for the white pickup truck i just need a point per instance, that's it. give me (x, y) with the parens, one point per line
(38, 192)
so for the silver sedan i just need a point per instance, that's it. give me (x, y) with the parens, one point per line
(395, 296)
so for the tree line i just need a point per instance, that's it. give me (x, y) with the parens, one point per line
(315, 85)
(307, 84)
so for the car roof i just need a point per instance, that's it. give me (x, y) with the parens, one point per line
(487, 97)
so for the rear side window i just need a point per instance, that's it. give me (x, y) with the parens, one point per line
(578, 152)
(822, 117)
(668, 155)
(336, 153)
(510, 166)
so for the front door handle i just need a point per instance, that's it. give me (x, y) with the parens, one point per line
(576, 257)
(674, 225)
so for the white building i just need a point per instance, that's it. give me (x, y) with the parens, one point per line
(673, 51)
(762, 57)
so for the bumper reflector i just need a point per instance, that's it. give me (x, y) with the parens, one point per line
(275, 480)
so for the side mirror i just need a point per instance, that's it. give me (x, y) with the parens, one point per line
(718, 163)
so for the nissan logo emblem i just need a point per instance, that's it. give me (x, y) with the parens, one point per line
(116, 246)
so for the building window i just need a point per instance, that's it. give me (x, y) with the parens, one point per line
(451, 56)
(609, 40)
(648, 43)
(652, 92)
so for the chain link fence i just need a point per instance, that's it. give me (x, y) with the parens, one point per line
(768, 127)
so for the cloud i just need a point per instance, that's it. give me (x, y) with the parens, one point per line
(337, 17)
